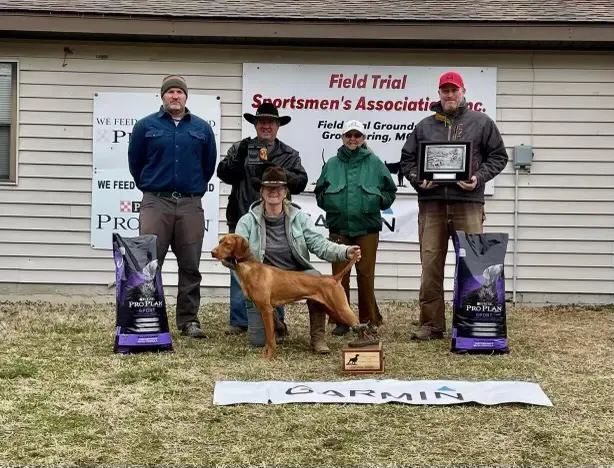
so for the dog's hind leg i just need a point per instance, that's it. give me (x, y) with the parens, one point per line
(338, 308)
(345, 315)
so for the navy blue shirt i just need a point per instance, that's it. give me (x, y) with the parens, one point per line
(165, 157)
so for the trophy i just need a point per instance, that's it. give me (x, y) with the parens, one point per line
(363, 355)
(257, 157)
(445, 162)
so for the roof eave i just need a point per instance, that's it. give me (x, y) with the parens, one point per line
(296, 31)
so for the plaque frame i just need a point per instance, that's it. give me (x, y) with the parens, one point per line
(437, 161)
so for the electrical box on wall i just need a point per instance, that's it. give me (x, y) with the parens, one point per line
(523, 156)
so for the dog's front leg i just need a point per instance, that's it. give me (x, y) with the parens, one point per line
(267, 313)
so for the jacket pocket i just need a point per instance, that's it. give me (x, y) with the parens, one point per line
(154, 133)
(333, 199)
(156, 141)
(198, 136)
(371, 199)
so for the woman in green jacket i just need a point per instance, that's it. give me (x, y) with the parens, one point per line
(354, 188)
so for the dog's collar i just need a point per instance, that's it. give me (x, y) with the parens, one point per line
(234, 260)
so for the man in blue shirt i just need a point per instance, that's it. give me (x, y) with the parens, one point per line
(172, 156)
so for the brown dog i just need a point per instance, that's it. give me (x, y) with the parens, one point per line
(268, 287)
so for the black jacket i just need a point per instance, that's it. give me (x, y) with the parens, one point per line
(236, 171)
(489, 154)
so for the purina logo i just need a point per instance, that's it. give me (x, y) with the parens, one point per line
(127, 206)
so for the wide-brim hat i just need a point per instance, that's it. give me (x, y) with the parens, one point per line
(273, 176)
(267, 110)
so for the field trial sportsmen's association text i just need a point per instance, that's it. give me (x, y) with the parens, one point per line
(364, 103)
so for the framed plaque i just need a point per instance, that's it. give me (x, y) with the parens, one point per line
(445, 161)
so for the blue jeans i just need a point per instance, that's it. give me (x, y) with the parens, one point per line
(255, 332)
(238, 312)
(239, 304)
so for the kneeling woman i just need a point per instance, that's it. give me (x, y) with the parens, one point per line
(282, 235)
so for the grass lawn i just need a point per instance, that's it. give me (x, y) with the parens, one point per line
(66, 399)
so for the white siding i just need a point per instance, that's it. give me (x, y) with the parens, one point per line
(562, 104)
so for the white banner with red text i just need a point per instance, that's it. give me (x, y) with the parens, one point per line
(389, 100)
(116, 201)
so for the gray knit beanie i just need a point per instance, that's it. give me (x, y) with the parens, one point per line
(173, 81)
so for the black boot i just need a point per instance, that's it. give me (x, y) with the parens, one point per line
(341, 330)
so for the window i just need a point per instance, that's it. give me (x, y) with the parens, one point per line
(8, 121)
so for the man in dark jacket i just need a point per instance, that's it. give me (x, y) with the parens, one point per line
(445, 208)
(242, 168)
(171, 156)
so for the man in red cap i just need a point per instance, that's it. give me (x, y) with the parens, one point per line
(445, 208)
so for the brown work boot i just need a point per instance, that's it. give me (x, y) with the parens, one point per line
(281, 329)
(317, 329)
(426, 334)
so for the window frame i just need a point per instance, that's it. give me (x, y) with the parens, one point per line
(13, 136)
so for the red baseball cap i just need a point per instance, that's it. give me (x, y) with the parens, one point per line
(451, 78)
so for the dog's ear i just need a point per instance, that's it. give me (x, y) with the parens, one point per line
(241, 249)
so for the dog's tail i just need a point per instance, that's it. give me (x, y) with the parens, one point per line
(347, 268)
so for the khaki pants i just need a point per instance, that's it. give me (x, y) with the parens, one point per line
(368, 311)
(437, 222)
(179, 224)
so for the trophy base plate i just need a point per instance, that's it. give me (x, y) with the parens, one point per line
(363, 360)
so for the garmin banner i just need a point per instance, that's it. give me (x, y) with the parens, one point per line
(375, 392)
(389, 100)
(116, 201)
(399, 222)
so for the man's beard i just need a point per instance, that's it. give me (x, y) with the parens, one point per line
(175, 111)
(450, 106)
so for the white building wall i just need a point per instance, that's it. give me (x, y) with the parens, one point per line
(561, 103)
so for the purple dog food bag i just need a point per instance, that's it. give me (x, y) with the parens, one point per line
(140, 319)
(479, 315)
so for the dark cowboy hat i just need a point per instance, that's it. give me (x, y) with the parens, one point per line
(273, 176)
(268, 110)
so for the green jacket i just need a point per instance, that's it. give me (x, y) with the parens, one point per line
(302, 237)
(353, 189)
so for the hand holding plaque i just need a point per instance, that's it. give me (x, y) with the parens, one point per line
(445, 162)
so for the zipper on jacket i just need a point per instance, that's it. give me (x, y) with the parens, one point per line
(445, 187)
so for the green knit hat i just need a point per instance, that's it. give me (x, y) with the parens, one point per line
(173, 81)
